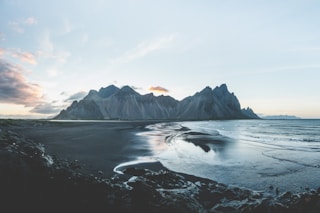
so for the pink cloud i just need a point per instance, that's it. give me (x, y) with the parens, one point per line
(25, 56)
(14, 88)
(158, 89)
(17, 53)
(2, 51)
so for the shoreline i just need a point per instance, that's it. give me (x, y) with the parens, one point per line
(207, 150)
(97, 146)
(103, 147)
(28, 170)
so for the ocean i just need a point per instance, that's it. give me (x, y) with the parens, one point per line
(276, 155)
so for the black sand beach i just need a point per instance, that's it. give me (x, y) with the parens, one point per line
(97, 146)
(68, 167)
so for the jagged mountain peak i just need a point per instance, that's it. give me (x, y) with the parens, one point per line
(125, 103)
(92, 92)
(149, 94)
(221, 90)
(106, 92)
(128, 91)
(223, 86)
(218, 90)
(206, 90)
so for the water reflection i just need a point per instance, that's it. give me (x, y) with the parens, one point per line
(174, 143)
(254, 154)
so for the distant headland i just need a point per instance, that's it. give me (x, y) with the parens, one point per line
(280, 117)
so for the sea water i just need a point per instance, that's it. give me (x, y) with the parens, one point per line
(256, 154)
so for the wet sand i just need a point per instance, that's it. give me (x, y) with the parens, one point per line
(97, 146)
(30, 177)
(103, 148)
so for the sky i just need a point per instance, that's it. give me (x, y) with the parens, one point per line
(54, 52)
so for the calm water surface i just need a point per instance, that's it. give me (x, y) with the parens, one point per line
(255, 154)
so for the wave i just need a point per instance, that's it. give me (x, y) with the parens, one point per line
(119, 169)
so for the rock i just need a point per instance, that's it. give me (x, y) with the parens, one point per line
(27, 179)
(134, 171)
(126, 104)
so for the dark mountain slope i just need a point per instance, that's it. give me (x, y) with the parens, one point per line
(127, 104)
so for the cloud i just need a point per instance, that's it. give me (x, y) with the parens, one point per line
(31, 21)
(76, 96)
(14, 88)
(60, 57)
(146, 48)
(46, 44)
(15, 26)
(18, 26)
(25, 57)
(55, 107)
(48, 50)
(46, 108)
(52, 72)
(136, 88)
(17, 53)
(158, 89)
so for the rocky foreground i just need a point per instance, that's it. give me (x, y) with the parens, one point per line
(33, 181)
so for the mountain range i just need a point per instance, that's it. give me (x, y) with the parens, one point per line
(280, 117)
(126, 104)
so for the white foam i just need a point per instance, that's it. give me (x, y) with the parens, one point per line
(117, 169)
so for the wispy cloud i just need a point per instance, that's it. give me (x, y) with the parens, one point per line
(16, 26)
(48, 50)
(31, 21)
(53, 107)
(14, 88)
(146, 48)
(52, 72)
(158, 89)
(25, 56)
(46, 108)
(136, 88)
(45, 42)
(76, 96)
(60, 57)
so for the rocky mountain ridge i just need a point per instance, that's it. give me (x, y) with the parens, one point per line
(126, 104)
